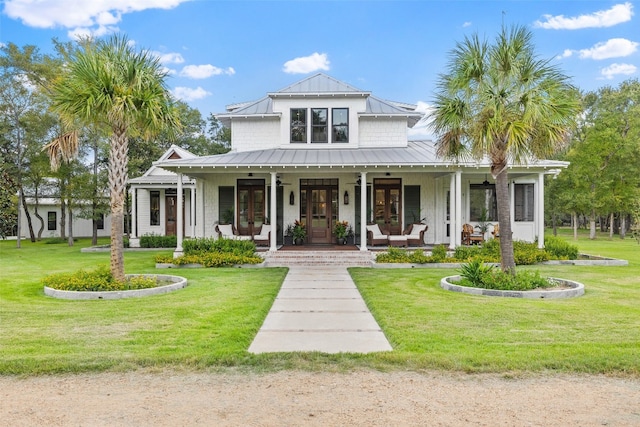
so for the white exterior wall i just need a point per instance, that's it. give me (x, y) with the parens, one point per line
(255, 134)
(284, 106)
(81, 227)
(383, 132)
(144, 214)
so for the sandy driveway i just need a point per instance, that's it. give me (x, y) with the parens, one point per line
(318, 399)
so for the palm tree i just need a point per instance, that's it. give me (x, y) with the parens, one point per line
(108, 84)
(499, 101)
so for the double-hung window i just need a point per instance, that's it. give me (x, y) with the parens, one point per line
(154, 208)
(482, 200)
(523, 201)
(319, 125)
(299, 125)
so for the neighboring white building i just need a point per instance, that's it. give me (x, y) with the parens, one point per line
(49, 210)
(308, 151)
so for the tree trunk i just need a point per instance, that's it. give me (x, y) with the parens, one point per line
(63, 218)
(623, 225)
(118, 160)
(592, 226)
(70, 240)
(507, 259)
(28, 216)
(37, 215)
(574, 219)
(612, 218)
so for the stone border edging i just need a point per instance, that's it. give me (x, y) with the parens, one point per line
(161, 265)
(178, 283)
(576, 290)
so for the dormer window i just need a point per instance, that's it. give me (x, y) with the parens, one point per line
(324, 127)
(299, 125)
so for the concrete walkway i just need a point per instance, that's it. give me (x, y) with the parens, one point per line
(319, 309)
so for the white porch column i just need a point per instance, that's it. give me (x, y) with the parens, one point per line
(363, 211)
(273, 242)
(192, 212)
(453, 226)
(458, 209)
(134, 213)
(180, 219)
(540, 213)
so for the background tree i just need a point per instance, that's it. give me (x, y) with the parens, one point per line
(107, 83)
(499, 100)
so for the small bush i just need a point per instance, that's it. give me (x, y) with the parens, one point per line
(559, 248)
(99, 279)
(439, 253)
(217, 259)
(479, 275)
(158, 241)
(205, 245)
(528, 253)
(393, 255)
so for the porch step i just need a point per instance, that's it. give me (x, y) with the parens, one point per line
(318, 258)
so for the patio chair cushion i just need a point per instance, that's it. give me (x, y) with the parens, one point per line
(264, 236)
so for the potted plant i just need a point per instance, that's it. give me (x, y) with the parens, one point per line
(299, 233)
(288, 235)
(341, 229)
(483, 224)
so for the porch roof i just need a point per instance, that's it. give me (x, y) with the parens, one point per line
(417, 154)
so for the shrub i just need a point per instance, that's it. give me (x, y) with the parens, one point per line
(217, 259)
(439, 253)
(559, 248)
(99, 279)
(528, 253)
(479, 275)
(208, 244)
(158, 241)
(393, 255)
(418, 257)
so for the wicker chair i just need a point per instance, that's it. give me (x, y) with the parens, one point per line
(264, 238)
(375, 236)
(228, 231)
(496, 231)
(415, 236)
(469, 236)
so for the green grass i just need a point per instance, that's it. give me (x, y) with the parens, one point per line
(210, 324)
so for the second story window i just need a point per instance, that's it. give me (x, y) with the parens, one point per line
(319, 125)
(340, 124)
(299, 125)
(324, 126)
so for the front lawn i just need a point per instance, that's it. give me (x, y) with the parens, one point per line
(210, 324)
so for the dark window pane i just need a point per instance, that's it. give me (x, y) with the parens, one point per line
(154, 208)
(483, 198)
(340, 124)
(298, 125)
(524, 202)
(51, 220)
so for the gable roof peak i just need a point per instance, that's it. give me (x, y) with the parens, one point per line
(319, 83)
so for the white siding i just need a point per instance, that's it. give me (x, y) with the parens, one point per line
(255, 134)
(383, 132)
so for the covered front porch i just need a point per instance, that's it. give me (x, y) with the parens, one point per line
(393, 188)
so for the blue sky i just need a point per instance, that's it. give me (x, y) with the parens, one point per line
(224, 52)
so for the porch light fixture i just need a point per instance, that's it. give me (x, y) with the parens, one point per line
(346, 198)
(291, 199)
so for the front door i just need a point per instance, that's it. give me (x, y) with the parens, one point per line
(250, 206)
(319, 208)
(170, 209)
(388, 205)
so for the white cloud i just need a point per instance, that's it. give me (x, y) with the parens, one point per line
(205, 71)
(567, 53)
(466, 24)
(80, 15)
(307, 64)
(612, 48)
(614, 69)
(169, 58)
(619, 13)
(83, 32)
(422, 130)
(189, 94)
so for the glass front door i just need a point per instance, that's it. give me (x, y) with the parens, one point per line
(319, 208)
(250, 206)
(388, 205)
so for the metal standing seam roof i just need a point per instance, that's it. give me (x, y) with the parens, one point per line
(416, 153)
